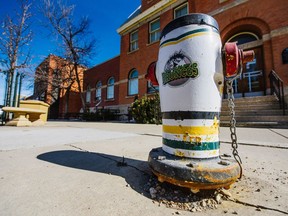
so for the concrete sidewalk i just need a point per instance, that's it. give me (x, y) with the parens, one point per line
(70, 168)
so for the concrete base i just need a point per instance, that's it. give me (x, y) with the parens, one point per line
(38, 122)
(196, 174)
(20, 121)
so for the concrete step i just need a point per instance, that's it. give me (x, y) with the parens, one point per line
(257, 124)
(255, 99)
(254, 112)
(275, 118)
(241, 102)
(262, 111)
(252, 107)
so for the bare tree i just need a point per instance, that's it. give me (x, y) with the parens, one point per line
(15, 37)
(77, 42)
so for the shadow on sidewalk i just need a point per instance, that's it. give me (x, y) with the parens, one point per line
(135, 172)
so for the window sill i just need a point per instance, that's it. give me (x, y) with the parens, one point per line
(130, 96)
(155, 42)
(107, 100)
(133, 51)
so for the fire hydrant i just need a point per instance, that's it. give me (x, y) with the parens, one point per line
(189, 73)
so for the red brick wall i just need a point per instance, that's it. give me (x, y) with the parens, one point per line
(279, 44)
(257, 16)
(260, 17)
(208, 6)
(145, 4)
(139, 59)
(102, 73)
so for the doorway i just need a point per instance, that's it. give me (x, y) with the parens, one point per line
(252, 80)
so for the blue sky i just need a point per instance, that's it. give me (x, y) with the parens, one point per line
(106, 17)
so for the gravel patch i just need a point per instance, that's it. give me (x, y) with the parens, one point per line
(180, 198)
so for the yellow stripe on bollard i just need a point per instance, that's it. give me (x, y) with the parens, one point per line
(191, 130)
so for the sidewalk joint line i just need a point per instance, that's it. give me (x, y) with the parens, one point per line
(278, 133)
(256, 145)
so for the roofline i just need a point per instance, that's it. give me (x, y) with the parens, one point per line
(53, 55)
(147, 14)
(103, 62)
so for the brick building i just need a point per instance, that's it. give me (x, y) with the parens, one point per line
(260, 25)
(102, 85)
(55, 83)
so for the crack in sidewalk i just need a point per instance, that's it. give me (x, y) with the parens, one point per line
(256, 206)
(108, 158)
(145, 173)
(256, 145)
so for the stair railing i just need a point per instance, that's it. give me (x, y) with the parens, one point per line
(277, 88)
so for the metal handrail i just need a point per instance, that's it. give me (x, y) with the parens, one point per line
(277, 88)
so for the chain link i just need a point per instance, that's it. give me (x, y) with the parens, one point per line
(233, 135)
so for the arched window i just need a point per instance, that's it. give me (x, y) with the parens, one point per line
(110, 88)
(243, 37)
(88, 95)
(133, 83)
(98, 90)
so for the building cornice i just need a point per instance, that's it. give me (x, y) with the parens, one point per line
(152, 11)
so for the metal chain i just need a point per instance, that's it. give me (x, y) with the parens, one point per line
(231, 106)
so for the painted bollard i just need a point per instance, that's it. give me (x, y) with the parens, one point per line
(189, 72)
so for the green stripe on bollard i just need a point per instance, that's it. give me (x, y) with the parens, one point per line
(196, 146)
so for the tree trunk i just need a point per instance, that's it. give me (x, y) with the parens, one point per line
(79, 87)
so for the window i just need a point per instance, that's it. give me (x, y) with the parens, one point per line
(243, 37)
(98, 91)
(133, 83)
(151, 88)
(110, 88)
(154, 31)
(285, 56)
(181, 11)
(88, 95)
(151, 70)
(134, 41)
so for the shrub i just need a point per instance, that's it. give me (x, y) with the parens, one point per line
(100, 115)
(147, 110)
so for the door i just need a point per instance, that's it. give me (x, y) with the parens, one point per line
(251, 82)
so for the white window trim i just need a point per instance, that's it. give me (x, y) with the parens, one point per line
(88, 95)
(181, 6)
(98, 88)
(151, 32)
(130, 45)
(130, 80)
(110, 86)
